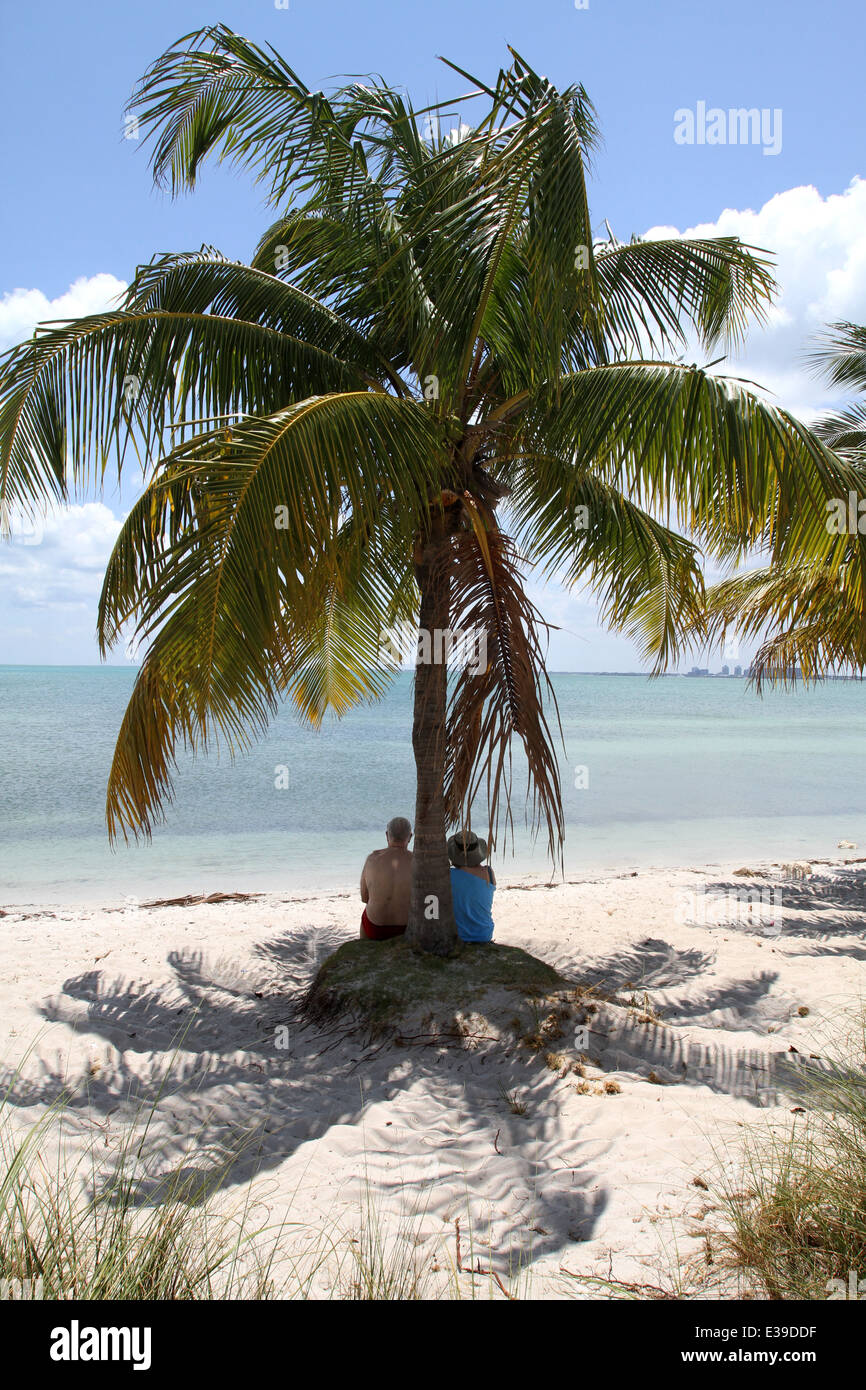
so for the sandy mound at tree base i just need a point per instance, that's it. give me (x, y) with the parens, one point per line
(391, 990)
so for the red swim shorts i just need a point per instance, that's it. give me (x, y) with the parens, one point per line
(378, 933)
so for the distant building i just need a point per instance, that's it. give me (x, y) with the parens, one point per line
(726, 670)
(698, 671)
(738, 670)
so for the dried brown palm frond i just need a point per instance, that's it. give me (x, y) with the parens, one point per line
(492, 701)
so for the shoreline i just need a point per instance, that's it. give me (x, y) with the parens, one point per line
(299, 893)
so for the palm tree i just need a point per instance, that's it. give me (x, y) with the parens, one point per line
(430, 377)
(809, 613)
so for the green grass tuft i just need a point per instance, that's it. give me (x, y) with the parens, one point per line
(793, 1219)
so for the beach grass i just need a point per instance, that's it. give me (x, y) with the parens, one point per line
(110, 1223)
(793, 1218)
(80, 1229)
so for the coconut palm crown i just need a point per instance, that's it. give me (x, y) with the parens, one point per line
(431, 377)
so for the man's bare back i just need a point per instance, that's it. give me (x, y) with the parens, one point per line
(386, 884)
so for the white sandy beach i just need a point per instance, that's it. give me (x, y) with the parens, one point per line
(581, 1184)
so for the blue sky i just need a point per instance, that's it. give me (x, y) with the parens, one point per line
(80, 212)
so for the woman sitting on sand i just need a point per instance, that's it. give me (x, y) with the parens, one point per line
(472, 887)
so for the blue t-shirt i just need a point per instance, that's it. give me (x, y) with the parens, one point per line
(473, 905)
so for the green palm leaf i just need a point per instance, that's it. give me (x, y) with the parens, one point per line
(76, 394)
(652, 289)
(255, 557)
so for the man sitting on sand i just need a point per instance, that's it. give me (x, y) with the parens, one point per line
(386, 882)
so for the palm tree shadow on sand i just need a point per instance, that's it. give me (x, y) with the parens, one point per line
(813, 909)
(239, 1086)
(204, 1053)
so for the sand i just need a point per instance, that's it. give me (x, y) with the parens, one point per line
(717, 995)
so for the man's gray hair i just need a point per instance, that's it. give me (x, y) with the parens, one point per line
(399, 830)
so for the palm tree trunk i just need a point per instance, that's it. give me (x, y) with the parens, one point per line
(431, 915)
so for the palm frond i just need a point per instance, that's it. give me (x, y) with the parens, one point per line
(650, 291)
(262, 568)
(845, 432)
(77, 394)
(734, 471)
(806, 618)
(646, 577)
(840, 355)
(216, 91)
(492, 702)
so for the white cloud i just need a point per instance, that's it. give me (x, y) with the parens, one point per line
(51, 571)
(819, 246)
(59, 565)
(21, 310)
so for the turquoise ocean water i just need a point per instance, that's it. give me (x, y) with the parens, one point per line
(679, 771)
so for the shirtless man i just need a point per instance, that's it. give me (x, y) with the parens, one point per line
(386, 882)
